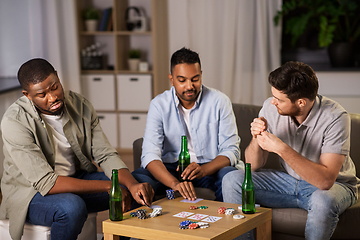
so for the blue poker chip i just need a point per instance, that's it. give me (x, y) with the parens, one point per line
(170, 194)
(185, 223)
(133, 214)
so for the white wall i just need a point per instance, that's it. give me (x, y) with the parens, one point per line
(343, 87)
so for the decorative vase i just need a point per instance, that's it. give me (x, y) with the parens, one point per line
(341, 54)
(133, 64)
(91, 25)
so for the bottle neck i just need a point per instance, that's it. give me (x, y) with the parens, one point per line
(115, 179)
(184, 147)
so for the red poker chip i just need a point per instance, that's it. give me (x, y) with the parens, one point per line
(221, 210)
(193, 207)
(193, 225)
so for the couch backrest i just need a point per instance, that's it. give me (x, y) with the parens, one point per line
(246, 113)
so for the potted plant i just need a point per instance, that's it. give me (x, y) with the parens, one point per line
(336, 22)
(134, 59)
(91, 17)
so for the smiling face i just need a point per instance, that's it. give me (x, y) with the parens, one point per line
(186, 79)
(47, 96)
(283, 103)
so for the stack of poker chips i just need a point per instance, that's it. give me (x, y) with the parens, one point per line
(221, 210)
(187, 224)
(170, 194)
(156, 212)
(229, 211)
(141, 214)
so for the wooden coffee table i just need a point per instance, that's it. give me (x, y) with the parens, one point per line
(166, 226)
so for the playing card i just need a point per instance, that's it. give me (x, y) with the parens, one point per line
(211, 219)
(198, 216)
(183, 214)
(195, 201)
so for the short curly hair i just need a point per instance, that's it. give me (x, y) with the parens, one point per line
(184, 55)
(34, 71)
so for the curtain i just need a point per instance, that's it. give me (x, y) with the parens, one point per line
(53, 36)
(237, 42)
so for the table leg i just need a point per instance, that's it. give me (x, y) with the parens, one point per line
(263, 232)
(108, 236)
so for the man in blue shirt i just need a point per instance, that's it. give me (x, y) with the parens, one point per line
(205, 116)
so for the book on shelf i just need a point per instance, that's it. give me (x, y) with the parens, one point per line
(110, 23)
(105, 19)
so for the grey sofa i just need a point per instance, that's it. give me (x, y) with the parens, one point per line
(288, 223)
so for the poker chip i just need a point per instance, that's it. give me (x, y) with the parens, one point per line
(193, 225)
(238, 216)
(203, 207)
(170, 194)
(185, 223)
(193, 207)
(203, 224)
(133, 214)
(156, 212)
(141, 214)
(221, 210)
(229, 211)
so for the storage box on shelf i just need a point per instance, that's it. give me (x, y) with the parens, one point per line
(121, 97)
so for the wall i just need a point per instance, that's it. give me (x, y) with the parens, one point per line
(342, 87)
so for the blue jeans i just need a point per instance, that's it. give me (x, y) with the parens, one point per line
(66, 213)
(212, 182)
(278, 189)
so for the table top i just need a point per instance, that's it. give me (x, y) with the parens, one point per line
(166, 226)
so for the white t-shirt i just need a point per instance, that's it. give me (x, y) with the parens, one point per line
(186, 113)
(64, 155)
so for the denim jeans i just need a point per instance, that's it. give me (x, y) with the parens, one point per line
(280, 190)
(66, 213)
(212, 182)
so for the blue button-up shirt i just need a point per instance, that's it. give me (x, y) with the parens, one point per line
(212, 127)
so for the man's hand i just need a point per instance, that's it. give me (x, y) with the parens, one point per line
(258, 126)
(126, 199)
(142, 193)
(186, 189)
(269, 142)
(192, 171)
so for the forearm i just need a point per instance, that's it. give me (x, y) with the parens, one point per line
(255, 155)
(215, 165)
(321, 175)
(126, 179)
(159, 171)
(79, 186)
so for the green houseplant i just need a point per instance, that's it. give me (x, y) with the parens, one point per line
(91, 17)
(336, 22)
(134, 59)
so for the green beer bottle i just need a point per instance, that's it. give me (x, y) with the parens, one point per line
(248, 191)
(115, 198)
(184, 157)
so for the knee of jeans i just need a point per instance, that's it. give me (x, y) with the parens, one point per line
(231, 180)
(71, 207)
(322, 201)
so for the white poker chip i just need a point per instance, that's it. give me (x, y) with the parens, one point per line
(229, 211)
(238, 216)
(203, 224)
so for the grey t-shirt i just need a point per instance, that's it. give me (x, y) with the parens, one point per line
(325, 130)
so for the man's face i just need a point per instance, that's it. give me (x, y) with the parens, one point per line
(47, 96)
(284, 104)
(186, 79)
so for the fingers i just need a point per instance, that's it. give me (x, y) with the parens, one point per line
(144, 194)
(186, 189)
(126, 199)
(258, 126)
(192, 171)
